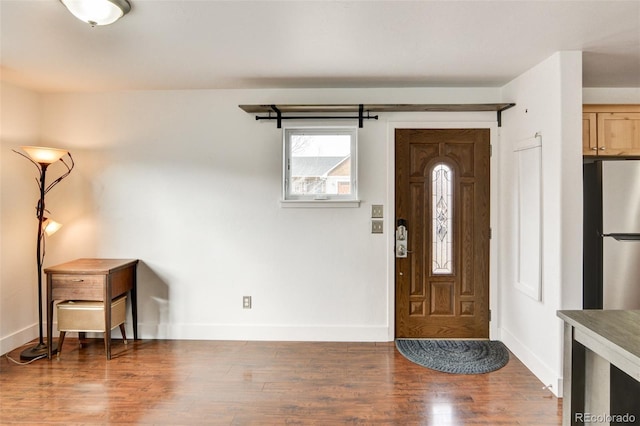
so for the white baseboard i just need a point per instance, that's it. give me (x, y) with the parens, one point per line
(545, 374)
(17, 339)
(224, 332)
(264, 332)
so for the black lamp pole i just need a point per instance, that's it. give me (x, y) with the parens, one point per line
(40, 350)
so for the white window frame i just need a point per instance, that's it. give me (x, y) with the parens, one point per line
(324, 200)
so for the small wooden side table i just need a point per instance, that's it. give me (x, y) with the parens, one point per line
(96, 280)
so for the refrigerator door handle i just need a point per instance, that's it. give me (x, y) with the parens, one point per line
(623, 237)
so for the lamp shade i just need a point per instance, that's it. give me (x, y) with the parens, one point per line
(50, 226)
(98, 12)
(44, 155)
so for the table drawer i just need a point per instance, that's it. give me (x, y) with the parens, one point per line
(81, 287)
(89, 316)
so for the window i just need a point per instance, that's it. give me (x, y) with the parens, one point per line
(320, 164)
(442, 200)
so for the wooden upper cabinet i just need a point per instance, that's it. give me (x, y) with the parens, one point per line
(611, 130)
(589, 133)
(619, 133)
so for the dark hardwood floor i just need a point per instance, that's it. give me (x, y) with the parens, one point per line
(262, 383)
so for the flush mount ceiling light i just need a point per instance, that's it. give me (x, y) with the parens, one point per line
(98, 12)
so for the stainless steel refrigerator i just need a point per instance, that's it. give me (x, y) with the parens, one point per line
(612, 255)
(612, 235)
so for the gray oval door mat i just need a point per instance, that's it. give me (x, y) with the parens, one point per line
(455, 356)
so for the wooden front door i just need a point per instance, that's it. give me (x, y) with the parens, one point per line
(442, 195)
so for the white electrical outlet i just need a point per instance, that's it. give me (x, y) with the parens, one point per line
(246, 302)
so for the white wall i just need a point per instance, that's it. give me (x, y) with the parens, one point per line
(19, 125)
(190, 184)
(611, 95)
(548, 99)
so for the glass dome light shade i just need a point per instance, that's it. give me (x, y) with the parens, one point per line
(98, 12)
(44, 155)
(50, 226)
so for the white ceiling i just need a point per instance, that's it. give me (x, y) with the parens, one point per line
(207, 44)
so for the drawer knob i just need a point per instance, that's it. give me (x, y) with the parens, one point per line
(77, 280)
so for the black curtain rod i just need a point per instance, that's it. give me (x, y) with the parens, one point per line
(317, 117)
(279, 117)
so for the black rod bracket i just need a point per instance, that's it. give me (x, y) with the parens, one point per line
(279, 115)
(499, 112)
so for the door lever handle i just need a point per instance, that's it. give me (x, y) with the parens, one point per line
(401, 251)
(402, 237)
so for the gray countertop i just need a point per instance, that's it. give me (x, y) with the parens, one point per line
(614, 335)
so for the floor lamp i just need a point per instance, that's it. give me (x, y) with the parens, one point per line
(42, 158)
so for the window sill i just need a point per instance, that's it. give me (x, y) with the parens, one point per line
(319, 203)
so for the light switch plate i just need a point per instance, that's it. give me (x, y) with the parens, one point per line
(377, 226)
(377, 211)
